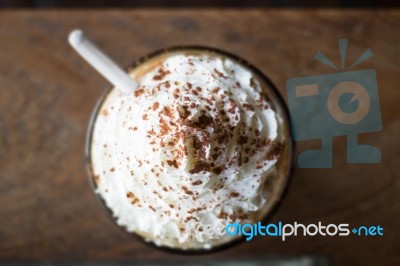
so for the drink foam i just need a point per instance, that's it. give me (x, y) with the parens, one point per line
(193, 146)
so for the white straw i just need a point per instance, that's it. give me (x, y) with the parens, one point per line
(101, 62)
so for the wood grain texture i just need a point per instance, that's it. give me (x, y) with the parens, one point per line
(47, 209)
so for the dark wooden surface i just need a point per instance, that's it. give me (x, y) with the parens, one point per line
(47, 209)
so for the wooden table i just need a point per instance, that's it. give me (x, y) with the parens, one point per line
(47, 209)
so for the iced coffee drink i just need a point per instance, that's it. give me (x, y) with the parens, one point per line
(202, 142)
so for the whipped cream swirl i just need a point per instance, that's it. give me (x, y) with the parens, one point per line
(193, 146)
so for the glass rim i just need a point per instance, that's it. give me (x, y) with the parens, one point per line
(278, 100)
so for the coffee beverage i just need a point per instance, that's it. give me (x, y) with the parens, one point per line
(204, 141)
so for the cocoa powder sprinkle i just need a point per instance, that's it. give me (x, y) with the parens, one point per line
(138, 92)
(187, 191)
(234, 194)
(196, 183)
(161, 74)
(220, 74)
(155, 106)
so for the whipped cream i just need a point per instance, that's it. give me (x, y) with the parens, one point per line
(192, 147)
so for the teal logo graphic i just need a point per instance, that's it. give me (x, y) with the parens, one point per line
(338, 104)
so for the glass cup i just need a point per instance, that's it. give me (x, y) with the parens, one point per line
(274, 189)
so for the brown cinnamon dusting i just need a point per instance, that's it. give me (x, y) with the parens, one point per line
(187, 191)
(234, 194)
(190, 218)
(164, 128)
(167, 111)
(173, 163)
(200, 166)
(273, 154)
(132, 197)
(155, 106)
(183, 112)
(196, 210)
(138, 92)
(232, 106)
(161, 74)
(220, 74)
(196, 183)
(202, 121)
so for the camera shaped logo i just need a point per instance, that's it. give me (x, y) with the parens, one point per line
(338, 104)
